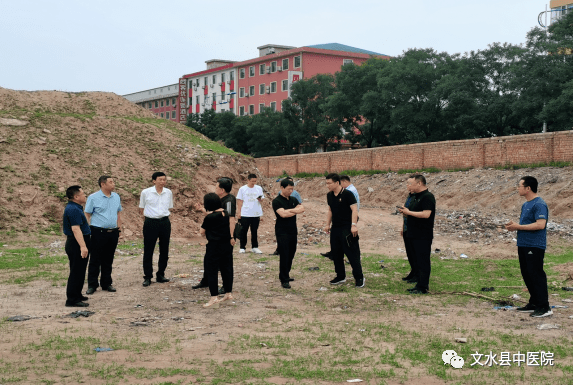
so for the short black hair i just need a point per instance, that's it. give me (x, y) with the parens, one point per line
(103, 179)
(531, 182)
(225, 183)
(286, 182)
(419, 178)
(212, 202)
(157, 175)
(333, 177)
(251, 176)
(345, 177)
(72, 191)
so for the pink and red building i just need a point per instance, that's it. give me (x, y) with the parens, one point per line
(246, 87)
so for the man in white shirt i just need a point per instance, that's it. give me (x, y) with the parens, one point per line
(249, 212)
(154, 204)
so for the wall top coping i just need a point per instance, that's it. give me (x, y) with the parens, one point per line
(511, 138)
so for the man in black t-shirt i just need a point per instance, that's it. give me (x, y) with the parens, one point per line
(343, 213)
(419, 231)
(222, 189)
(286, 208)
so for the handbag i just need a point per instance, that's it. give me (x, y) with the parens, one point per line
(238, 229)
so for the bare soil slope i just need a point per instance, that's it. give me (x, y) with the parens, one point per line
(50, 140)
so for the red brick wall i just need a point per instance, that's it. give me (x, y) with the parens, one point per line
(518, 149)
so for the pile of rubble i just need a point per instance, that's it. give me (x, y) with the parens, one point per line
(486, 229)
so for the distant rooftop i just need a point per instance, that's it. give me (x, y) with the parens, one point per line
(343, 47)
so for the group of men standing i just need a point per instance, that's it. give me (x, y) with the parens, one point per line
(93, 234)
(96, 229)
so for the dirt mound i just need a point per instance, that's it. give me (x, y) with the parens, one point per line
(51, 140)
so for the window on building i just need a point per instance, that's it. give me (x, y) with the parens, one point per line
(285, 64)
(174, 102)
(296, 62)
(214, 97)
(172, 114)
(242, 92)
(262, 69)
(285, 85)
(242, 111)
(274, 66)
(156, 104)
(261, 107)
(149, 105)
(223, 77)
(273, 87)
(206, 80)
(252, 90)
(167, 102)
(242, 73)
(251, 71)
(232, 75)
(215, 79)
(252, 109)
(162, 114)
(273, 106)
(162, 103)
(190, 101)
(347, 61)
(261, 89)
(197, 101)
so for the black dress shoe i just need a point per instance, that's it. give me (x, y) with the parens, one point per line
(291, 279)
(78, 304)
(276, 252)
(200, 285)
(285, 285)
(109, 288)
(407, 278)
(412, 280)
(327, 254)
(161, 279)
(146, 282)
(84, 298)
(418, 291)
(91, 290)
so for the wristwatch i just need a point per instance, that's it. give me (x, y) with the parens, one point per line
(353, 224)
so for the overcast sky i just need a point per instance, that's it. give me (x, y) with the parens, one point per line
(125, 46)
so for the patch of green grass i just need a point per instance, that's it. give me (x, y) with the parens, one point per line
(533, 165)
(28, 258)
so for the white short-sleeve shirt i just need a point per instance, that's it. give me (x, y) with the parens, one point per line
(156, 205)
(251, 205)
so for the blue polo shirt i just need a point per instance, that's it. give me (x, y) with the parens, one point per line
(530, 212)
(74, 216)
(103, 209)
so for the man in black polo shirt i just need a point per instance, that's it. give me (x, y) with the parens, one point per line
(419, 231)
(77, 230)
(286, 207)
(223, 190)
(343, 213)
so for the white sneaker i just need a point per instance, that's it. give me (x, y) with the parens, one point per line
(242, 251)
(256, 250)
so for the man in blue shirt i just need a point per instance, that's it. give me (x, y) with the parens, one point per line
(77, 230)
(531, 245)
(103, 211)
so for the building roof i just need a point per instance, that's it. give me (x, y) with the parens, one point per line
(343, 47)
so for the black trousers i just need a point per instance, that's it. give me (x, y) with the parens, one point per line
(219, 257)
(154, 229)
(531, 265)
(253, 223)
(103, 248)
(411, 257)
(339, 247)
(78, 267)
(286, 246)
(422, 249)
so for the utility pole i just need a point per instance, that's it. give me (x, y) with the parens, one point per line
(546, 34)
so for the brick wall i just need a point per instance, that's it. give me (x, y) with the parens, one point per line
(488, 152)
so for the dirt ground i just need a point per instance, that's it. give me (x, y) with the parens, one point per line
(261, 308)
